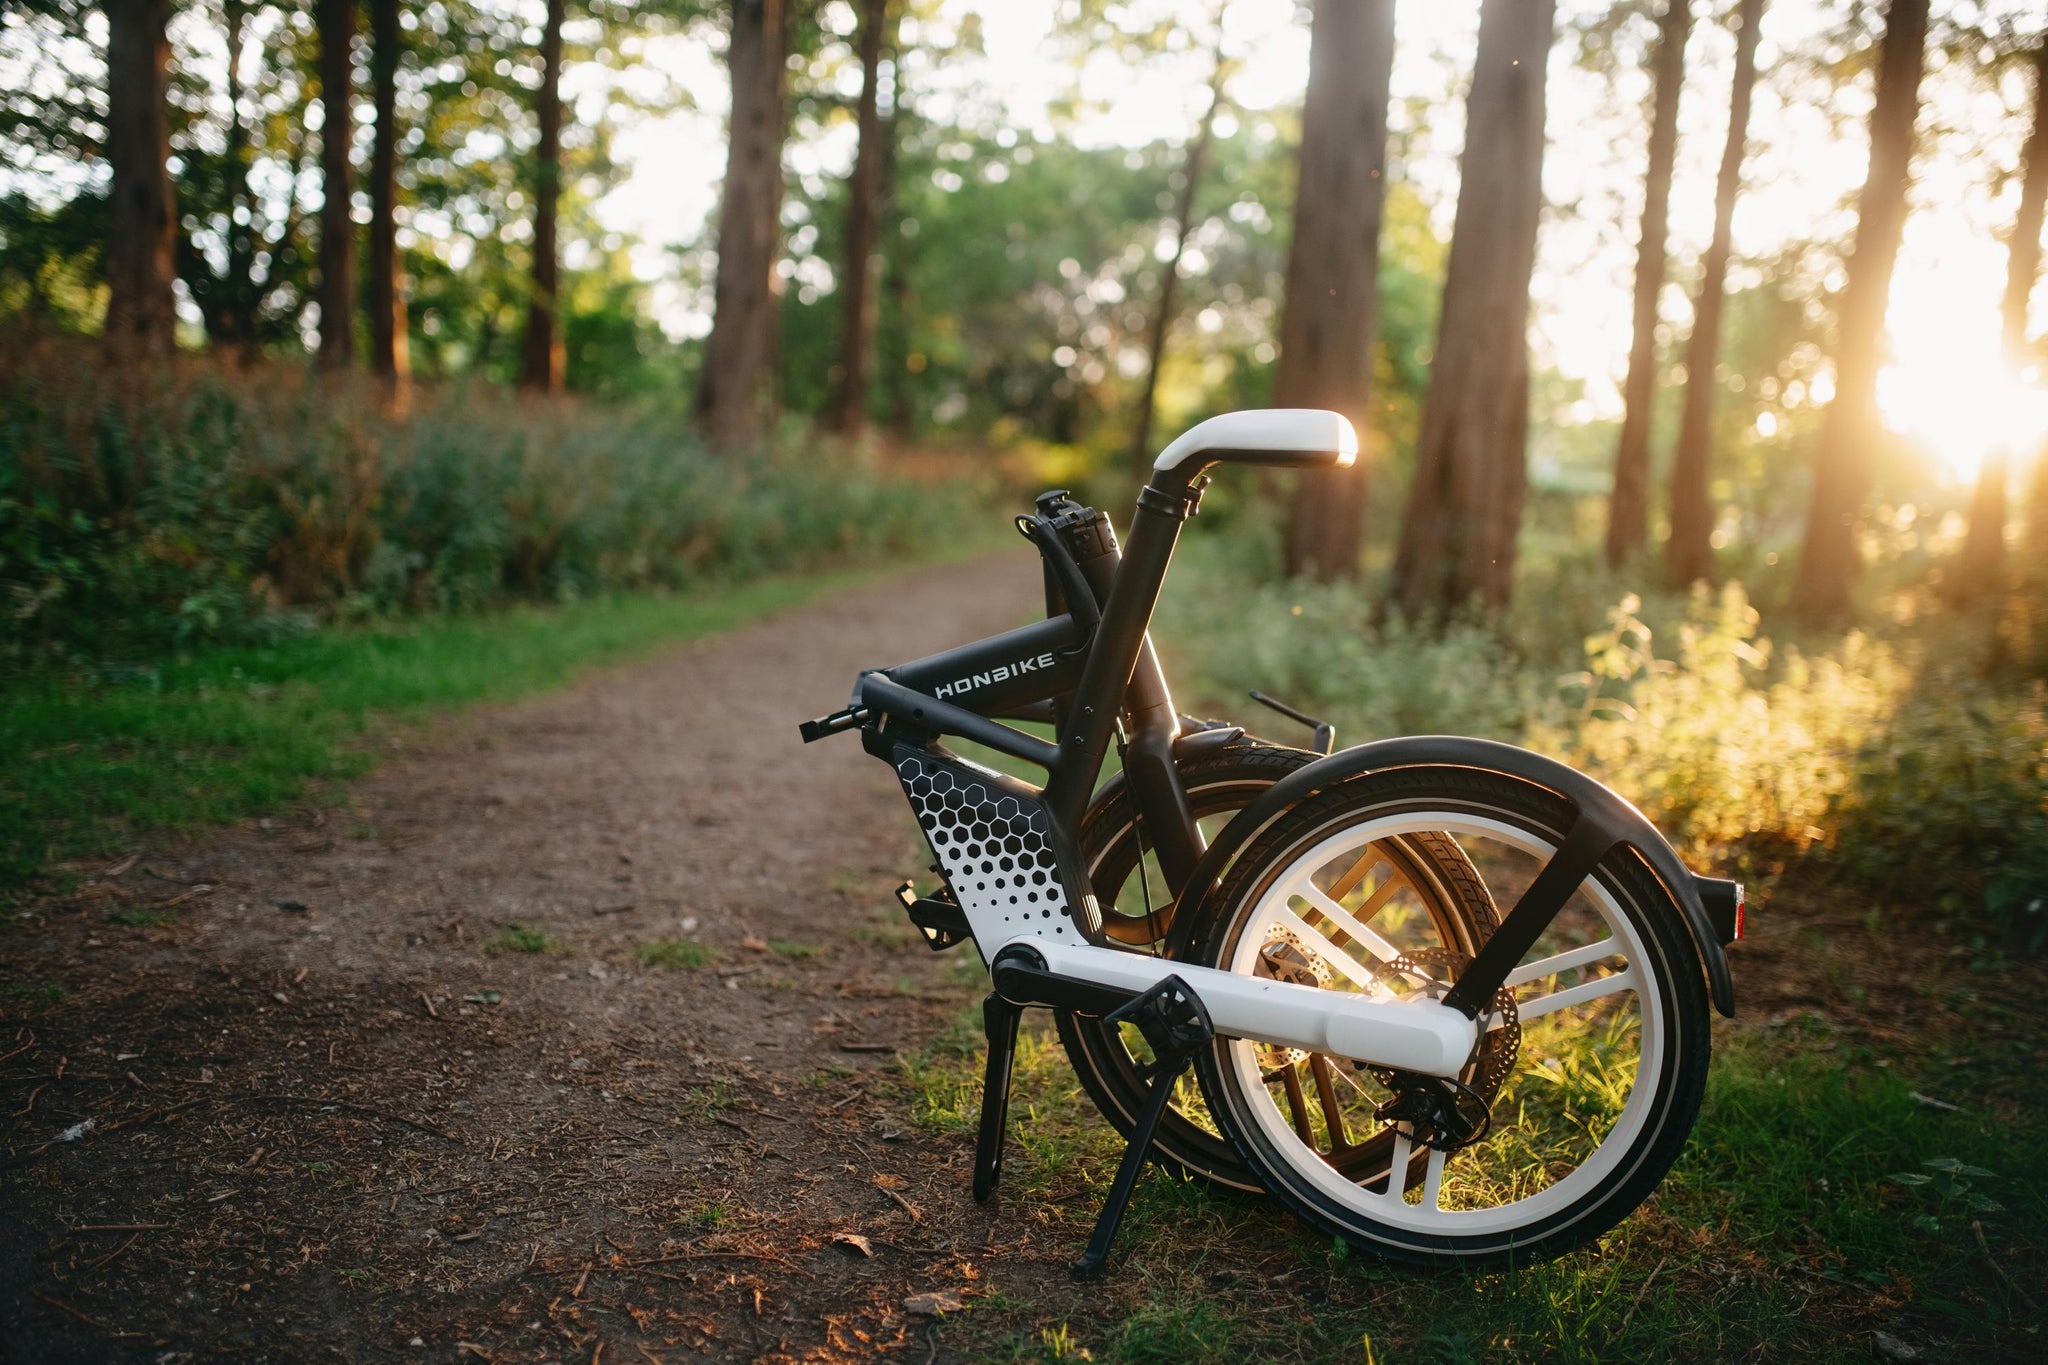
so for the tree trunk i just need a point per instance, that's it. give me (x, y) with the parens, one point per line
(1192, 166)
(1471, 477)
(893, 343)
(1331, 312)
(142, 214)
(337, 24)
(739, 355)
(1982, 567)
(540, 353)
(1689, 554)
(1628, 510)
(847, 411)
(390, 353)
(1850, 430)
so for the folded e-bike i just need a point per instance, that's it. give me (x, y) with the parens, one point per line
(1444, 998)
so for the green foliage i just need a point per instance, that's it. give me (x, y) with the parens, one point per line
(1892, 759)
(191, 506)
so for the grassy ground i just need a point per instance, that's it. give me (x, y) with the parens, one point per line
(221, 734)
(1823, 1201)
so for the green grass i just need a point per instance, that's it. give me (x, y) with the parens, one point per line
(791, 949)
(87, 766)
(520, 938)
(681, 954)
(1818, 1202)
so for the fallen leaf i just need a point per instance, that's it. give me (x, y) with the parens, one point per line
(890, 1182)
(854, 1240)
(754, 943)
(1891, 1348)
(935, 1304)
(483, 997)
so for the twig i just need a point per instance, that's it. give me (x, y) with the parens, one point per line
(119, 1227)
(8, 1057)
(132, 1238)
(1637, 1301)
(66, 1308)
(1977, 1228)
(857, 1094)
(916, 1214)
(432, 1013)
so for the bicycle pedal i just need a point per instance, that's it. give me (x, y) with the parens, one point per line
(939, 917)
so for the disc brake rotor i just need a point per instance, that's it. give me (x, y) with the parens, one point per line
(1432, 970)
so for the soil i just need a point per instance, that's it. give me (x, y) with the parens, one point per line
(395, 1084)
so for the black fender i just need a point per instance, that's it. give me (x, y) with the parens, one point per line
(1602, 821)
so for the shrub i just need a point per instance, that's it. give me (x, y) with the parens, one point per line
(186, 504)
(1891, 760)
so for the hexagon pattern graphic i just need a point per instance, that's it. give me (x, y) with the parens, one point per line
(994, 849)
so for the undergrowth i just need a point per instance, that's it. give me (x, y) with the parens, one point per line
(1903, 754)
(183, 505)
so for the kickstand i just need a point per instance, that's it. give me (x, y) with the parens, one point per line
(1174, 1022)
(999, 1017)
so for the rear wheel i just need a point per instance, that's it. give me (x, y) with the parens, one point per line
(1584, 1085)
(1418, 875)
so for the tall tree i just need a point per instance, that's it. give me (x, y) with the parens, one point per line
(1471, 476)
(1331, 313)
(899, 297)
(1192, 165)
(739, 355)
(1982, 568)
(141, 211)
(1689, 553)
(1628, 510)
(847, 409)
(336, 20)
(540, 355)
(390, 353)
(1850, 430)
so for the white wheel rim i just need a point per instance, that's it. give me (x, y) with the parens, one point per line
(1391, 1207)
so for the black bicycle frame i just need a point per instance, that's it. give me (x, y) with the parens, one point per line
(1087, 669)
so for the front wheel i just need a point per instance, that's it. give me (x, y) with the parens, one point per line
(1582, 1089)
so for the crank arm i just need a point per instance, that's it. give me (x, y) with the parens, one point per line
(1410, 1035)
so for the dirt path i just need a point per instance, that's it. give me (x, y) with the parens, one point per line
(401, 1087)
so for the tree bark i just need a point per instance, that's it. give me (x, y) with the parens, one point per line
(1689, 553)
(847, 411)
(739, 355)
(1850, 429)
(390, 353)
(1471, 479)
(1330, 316)
(1982, 567)
(897, 292)
(1192, 166)
(337, 24)
(1628, 510)
(142, 208)
(540, 353)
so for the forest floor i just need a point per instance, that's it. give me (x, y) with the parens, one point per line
(584, 1029)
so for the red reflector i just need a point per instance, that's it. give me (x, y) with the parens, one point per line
(1741, 908)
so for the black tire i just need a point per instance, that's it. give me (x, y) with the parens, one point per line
(1609, 1185)
(1220, 782)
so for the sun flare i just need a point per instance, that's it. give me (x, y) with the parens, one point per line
(1949, 384)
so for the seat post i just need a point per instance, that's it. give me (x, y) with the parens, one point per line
(1119, 637)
